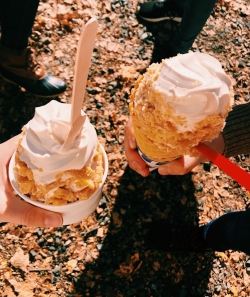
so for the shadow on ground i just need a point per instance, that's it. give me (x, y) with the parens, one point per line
(126, 265)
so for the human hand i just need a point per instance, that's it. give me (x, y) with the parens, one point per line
(134, 160)
(185, 164)
(13, 209)
(179, 166)
(176, 167)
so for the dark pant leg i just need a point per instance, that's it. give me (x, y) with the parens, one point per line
(230, 231)
(196, 13)
(17, 18)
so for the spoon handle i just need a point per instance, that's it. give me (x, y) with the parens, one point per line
(237, 173)
(82, 64)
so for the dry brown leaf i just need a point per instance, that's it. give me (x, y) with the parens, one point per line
(71, 265)
(100, 80)
(246, 279)
(8, 292)
(100, 232)
(25, 289)
(128, 72)
(156, 266)
(46, 261)
(59, 54)
(20, 260)
(222, 255)
(234, 291)
(117, 220)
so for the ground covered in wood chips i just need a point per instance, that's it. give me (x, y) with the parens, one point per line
(105, 255)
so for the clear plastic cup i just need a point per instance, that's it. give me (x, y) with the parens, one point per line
(72, 212)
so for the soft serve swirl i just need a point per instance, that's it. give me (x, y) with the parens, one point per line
(42, 143)
(195, 86)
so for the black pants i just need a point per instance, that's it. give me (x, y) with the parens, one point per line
(196, 13)
(230, 231)
(17, 19)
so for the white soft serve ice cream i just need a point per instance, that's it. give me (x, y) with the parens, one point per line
(194, 85)
(50, 171)
(42, 144)
(178, 103)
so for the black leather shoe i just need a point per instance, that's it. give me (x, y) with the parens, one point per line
(48, 86)
(21, 68)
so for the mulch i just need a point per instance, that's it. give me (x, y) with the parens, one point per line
(106, 255)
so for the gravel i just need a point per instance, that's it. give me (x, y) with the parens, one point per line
(105, 255)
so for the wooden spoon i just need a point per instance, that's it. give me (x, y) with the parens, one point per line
(82, 64)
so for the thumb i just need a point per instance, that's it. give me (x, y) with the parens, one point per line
(130, 135)
(22, 213)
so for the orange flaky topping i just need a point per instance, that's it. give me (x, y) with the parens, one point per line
(60, 191)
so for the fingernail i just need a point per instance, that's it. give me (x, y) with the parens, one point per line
(136, 165)
(164, 170)
(53, 220)
(144, 173)
(132, 142)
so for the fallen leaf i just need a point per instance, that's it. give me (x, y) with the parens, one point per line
(59, 54)
(25, 289)
(117, 221)
(8, 292)
(71, 265)
(20, 260)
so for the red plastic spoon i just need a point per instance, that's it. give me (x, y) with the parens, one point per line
(233, 170)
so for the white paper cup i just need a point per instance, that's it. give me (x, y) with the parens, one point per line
(72, 212)
(152, 165)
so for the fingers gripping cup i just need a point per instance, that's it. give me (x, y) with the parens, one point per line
(71, 212)
(43, 172)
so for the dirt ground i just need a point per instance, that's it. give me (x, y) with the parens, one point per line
(105, 255)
